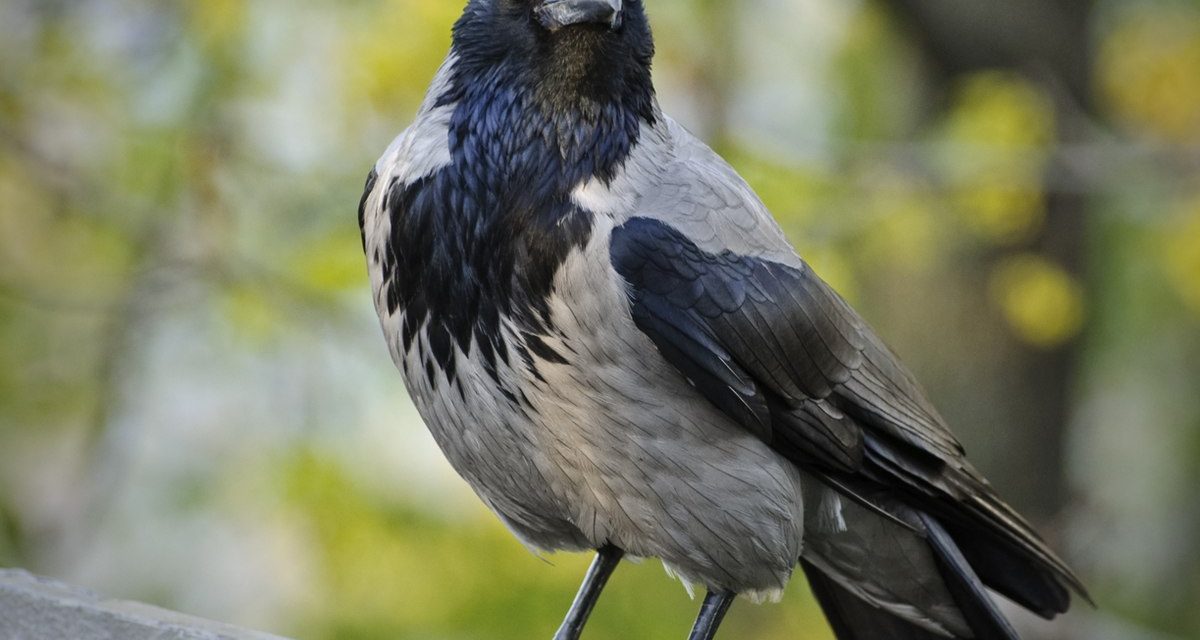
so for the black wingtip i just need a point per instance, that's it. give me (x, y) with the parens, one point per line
(1043, 584)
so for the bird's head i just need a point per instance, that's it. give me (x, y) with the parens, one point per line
(572, 53)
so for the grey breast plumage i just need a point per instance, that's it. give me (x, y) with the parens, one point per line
(582, 435)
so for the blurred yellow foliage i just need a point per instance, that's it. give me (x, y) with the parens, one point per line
(998, 135)
(330, 262)
(397, 51)
(1001, 211)
(1148, 70)
(251, 311)
(877, 74)
(904, 232)
(1181, 254)
(1001, 110)
(373, 573)
(1042, 303)
(24, 207)
(218, 21)
(85, 257)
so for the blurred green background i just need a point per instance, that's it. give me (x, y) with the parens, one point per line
(197, 410)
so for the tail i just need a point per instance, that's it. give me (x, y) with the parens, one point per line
(852, 618)
(882, 570)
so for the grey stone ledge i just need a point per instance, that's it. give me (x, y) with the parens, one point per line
(34, 608)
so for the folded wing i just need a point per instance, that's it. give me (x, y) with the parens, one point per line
(776, 349)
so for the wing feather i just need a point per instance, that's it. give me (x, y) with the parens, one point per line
(778, 350)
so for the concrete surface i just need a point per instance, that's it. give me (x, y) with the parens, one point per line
(34, 608)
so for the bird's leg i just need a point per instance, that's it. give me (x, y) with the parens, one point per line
(716, 604)
(607, 559)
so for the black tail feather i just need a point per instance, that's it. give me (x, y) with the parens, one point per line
(972, 598)
(853, 618)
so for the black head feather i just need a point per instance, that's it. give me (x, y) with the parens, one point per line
(584, 89)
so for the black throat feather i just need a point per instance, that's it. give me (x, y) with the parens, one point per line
(535, 115)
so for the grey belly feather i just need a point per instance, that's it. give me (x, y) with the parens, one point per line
(609, 444)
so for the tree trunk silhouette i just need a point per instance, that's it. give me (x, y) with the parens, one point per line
(1048, 42)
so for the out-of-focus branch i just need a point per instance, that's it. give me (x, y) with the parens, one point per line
(1036, 37)
(1047, 41)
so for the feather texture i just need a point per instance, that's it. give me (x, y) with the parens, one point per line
(776, 349)
(613, 343)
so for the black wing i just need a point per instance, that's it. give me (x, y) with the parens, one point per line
(780, 352)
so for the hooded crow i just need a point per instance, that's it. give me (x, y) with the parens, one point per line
(612, 342)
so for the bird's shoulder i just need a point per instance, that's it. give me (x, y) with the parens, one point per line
(672, 176)
(716, 284)
(423, 147)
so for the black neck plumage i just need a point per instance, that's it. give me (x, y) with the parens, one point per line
(483, 238)
(541, 112)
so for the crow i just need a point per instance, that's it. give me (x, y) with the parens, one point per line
(612, 342)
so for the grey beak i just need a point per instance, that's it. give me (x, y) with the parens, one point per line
(556, 14)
